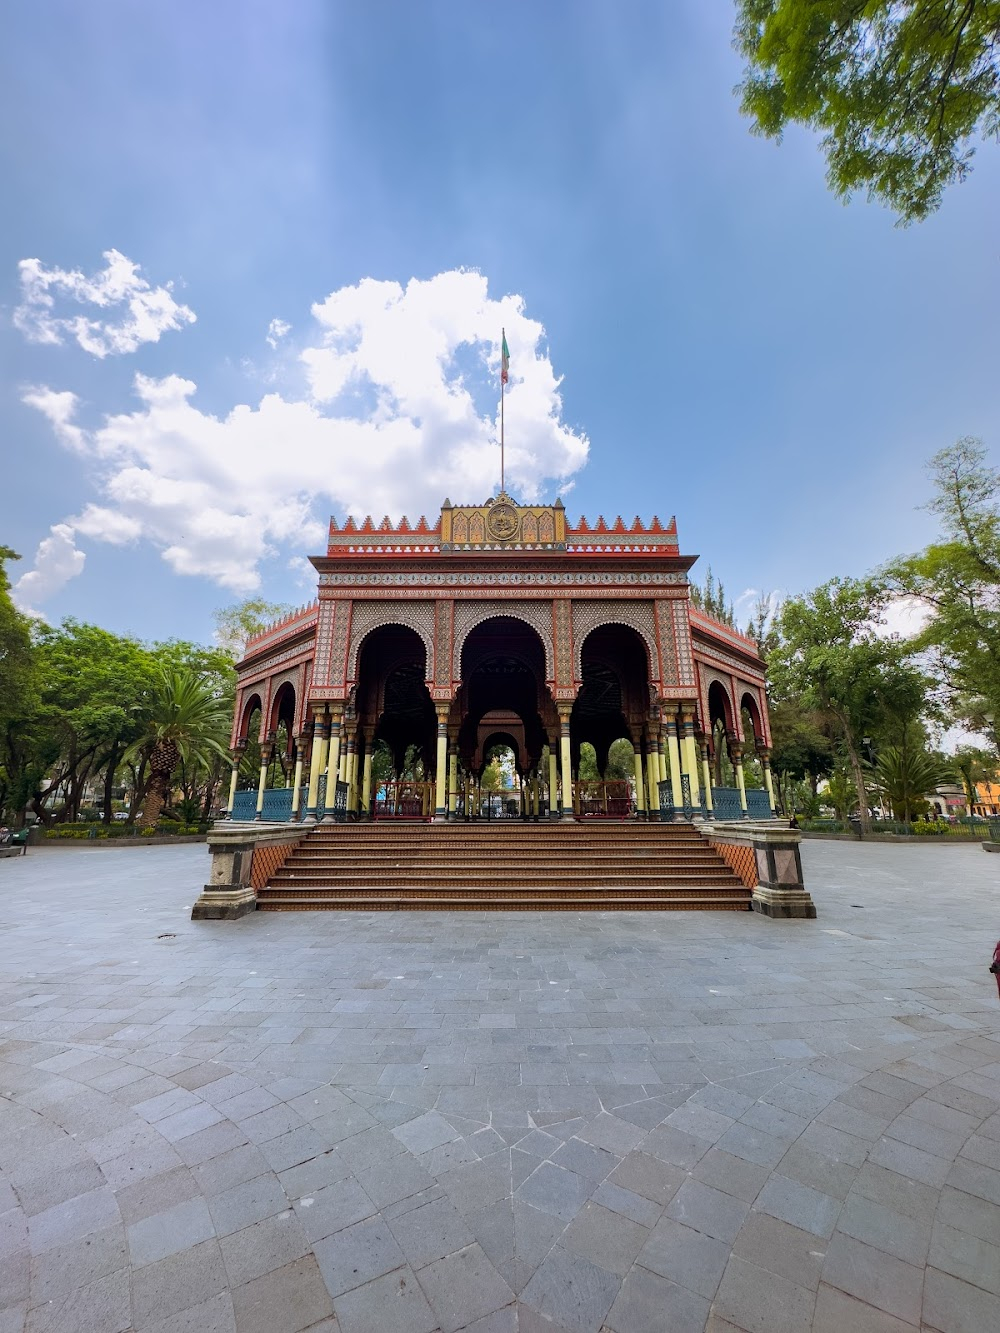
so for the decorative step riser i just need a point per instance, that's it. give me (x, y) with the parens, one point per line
(448, 906)
(465, 890)
(492, 882)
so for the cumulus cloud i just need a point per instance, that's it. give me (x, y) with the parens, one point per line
(56, 562)
(402, 409)
(136, 312)
(276, 330)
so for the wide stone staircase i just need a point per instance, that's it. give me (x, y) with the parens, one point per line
(572, 867)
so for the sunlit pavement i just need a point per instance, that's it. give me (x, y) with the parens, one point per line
(490, 1122)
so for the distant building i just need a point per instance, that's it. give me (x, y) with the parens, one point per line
(987, 801)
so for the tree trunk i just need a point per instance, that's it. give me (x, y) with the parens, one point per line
(109, 782)
(156, 795)
(857, 772)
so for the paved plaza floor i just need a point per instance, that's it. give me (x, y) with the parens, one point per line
(406, 1122)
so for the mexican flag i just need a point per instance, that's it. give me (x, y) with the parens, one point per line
(504, 360)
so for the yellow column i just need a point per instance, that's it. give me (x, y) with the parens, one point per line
(661, 736)
(706, 775)
(674, 755)
(689, 754)
(333, 766)
(441, 770)
(565, 764)
(297, 779)
(233, 778)
(652, 777)
(765, 763)
(453, 783)
(317, 761)
(553, 783)
(265, 758)
(366, 780)
(736, 754)
(640, 786)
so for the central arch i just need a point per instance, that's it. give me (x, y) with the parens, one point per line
(502, 670)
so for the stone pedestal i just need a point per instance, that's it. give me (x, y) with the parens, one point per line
(230, 892)
(776, 866)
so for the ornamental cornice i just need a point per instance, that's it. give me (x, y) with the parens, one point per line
(735, 665)
(262, 670)
(525, 579)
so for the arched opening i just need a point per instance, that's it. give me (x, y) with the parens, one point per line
(248, 742)
(283, 729)
(501, 780)
(753, 738)
(394, 715)
(503, 686)
(721, 726)
(608, 719)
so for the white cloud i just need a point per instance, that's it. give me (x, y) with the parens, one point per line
(402, 410)
(276, 330)
(141, 312)
(905, 617)
(56, 562)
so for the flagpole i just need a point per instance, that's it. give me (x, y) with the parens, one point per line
(503, 335)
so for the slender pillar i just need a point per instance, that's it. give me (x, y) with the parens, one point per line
(736, 755)
(234, 774)
(441, 769)
(316, 761)
(566, 765)
(674, 756)
(333, 767)
(652, 778)
(452, 781)
(706, 773)
(689, 753)
(535, 783)
(661, 736)
(351, 775)
(765, 762)
(640, 786)
(553, 784)
(266, 752)
(366, 780)
(297, 781)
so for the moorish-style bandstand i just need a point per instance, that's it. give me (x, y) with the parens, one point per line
(501, 623)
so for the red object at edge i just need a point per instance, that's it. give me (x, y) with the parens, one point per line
(995, 967)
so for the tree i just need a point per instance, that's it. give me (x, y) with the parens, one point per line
(18, 694)
(90, 684)
(957, 582)
(974, 765)
(899, 89)
(184, 721)
(833, 656)
(904, 776)
(712, 599)
(234, 625)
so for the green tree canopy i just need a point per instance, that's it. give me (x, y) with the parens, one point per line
(235, 624)
(184, 721)
(833, 656)
(19, 691)
(899, 89)
(957, 581)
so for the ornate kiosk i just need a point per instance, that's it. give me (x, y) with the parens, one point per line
(501, 622)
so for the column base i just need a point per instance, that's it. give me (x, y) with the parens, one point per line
(784, 903)
(227, 902)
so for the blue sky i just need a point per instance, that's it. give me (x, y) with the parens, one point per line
(697, 326)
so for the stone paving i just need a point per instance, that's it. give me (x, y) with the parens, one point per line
(628, 1123)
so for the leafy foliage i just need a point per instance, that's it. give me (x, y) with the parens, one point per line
(899, 91)
(184, 721)
(905, 774)
(834, 660)
(957, 581)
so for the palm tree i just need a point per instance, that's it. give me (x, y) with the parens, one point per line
(184, 720)
(905, 776)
